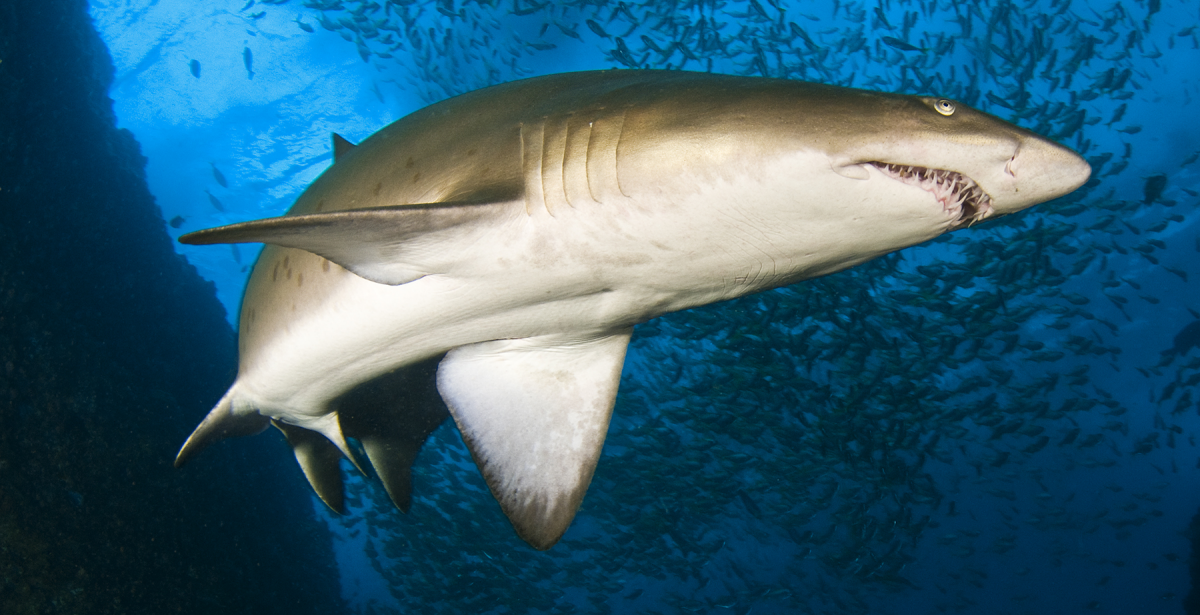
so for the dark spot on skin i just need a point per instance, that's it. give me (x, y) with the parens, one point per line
(275, 272)
(286, 262)
(378, 187)
(416, 177)
(324, 265)
(320, 204)
(471, 152)
(409, 164)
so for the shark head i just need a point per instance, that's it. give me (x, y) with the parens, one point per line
(975, 164)
(486, 258)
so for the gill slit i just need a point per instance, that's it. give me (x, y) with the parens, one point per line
(587, 161)
(617, 153)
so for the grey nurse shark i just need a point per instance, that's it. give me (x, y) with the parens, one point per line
(494, 251)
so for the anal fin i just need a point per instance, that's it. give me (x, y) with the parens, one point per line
(319, 459)
(534, 413)
(392, 416)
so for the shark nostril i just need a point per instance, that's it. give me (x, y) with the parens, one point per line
(1008, 166)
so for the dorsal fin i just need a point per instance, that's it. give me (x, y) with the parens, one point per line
(340, 146)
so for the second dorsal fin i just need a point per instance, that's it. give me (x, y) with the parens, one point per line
(340, 146)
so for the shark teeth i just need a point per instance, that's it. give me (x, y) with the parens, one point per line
(961, 197)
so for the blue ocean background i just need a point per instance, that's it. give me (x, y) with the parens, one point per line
(1002, 420)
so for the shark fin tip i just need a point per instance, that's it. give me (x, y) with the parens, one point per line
(341, 145)
(220, 423)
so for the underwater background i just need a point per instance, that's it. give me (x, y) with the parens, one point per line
(1002, 420)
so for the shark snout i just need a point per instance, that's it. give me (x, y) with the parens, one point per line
(1038, 171)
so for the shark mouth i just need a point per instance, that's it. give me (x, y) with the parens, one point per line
(964, 201)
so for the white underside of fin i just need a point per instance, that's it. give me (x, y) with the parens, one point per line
(534, 413)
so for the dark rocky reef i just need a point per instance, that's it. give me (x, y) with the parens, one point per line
(111, 349)
(1191, 603)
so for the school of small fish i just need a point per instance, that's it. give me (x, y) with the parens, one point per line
(931, 399)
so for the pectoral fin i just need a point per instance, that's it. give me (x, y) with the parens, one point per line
(534, 413)
(388, 245)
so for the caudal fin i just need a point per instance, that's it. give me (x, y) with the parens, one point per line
(220, 423)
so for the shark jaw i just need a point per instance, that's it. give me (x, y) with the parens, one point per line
(963, 200)
(485, 259)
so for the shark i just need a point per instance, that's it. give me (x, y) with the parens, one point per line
(487, 257)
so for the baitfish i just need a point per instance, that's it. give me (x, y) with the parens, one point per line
(248, 61)
(1187, 339)
(486, 258)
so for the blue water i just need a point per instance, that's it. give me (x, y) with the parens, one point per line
(777, 509)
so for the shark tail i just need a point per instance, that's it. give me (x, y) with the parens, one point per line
(318, 451)
(220, 423)
(391, 417)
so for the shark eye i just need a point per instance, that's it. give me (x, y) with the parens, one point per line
(943, 106)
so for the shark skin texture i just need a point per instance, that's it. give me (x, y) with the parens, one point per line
(487, 257)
